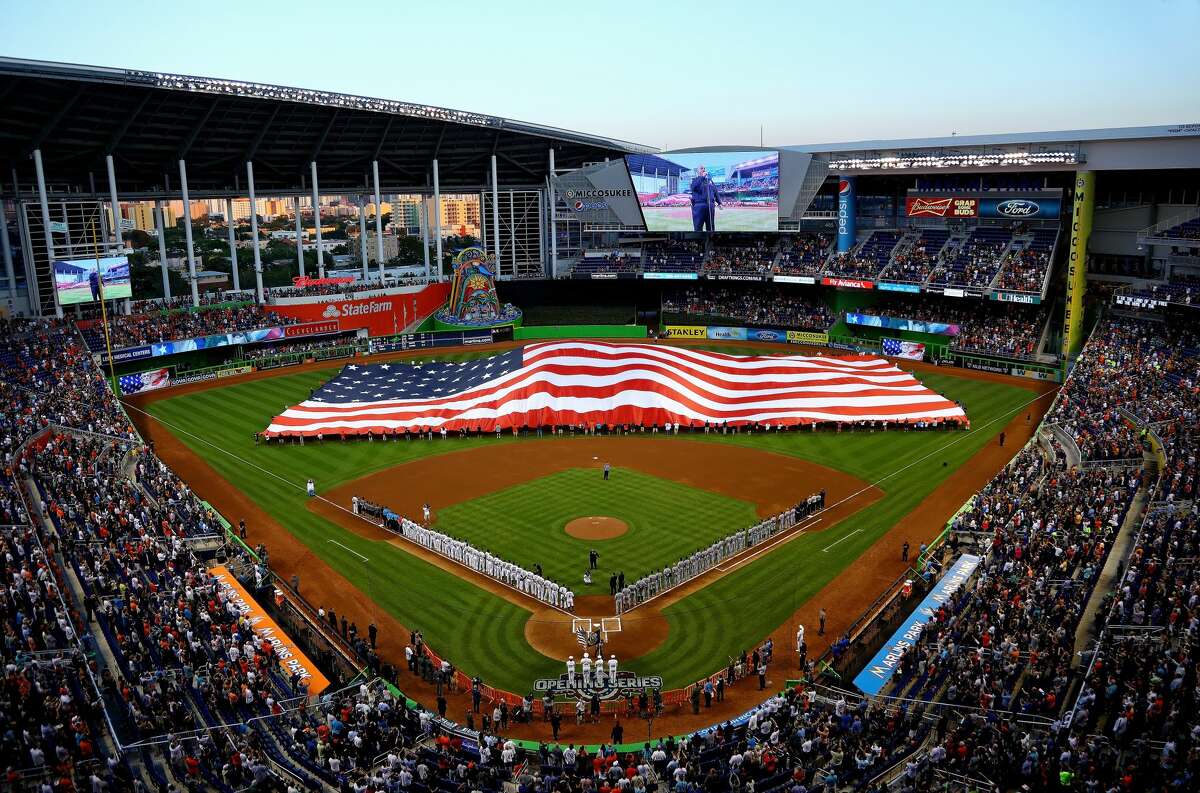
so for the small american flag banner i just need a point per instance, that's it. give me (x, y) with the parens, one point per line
(576, 382)
(144, 381)
(912, 350)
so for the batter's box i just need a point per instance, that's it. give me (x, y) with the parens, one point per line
(581, 624)
(610, 624)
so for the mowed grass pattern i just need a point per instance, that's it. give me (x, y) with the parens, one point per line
(525, 523)
(484, 634)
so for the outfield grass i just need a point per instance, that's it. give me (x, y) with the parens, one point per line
(666, 520)
(484, 634)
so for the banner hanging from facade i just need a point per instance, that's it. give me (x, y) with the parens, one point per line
(880, 669)
(291, 659)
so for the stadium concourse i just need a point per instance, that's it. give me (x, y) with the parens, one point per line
(119, 613)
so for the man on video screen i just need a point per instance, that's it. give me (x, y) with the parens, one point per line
(705, 201)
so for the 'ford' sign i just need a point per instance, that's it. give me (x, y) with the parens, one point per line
(1018, 208)
(1040, 207)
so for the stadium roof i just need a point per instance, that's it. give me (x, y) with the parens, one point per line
(1011, 138)
(77, 114)
(1120, 148)
(652, 163)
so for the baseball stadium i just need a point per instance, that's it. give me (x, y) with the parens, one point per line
(360, 445)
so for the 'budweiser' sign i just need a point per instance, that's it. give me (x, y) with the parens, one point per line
(301, 281)
(952, 207)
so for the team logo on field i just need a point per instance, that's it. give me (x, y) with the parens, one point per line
(602, 686)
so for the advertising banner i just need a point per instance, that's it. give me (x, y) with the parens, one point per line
(847, 213)
(794, 279)
(807, 337)
(850, 283)
(1017, 297)
(195, 378)
(671, 276)
(1081, 231)
(685, 332)
(941, 207)
(144, 381)
(129, 354)
(1020, 208)
(899, 323)
(234, 371)
(766, 334)
(216, 340)
(311, 329)
(983, 365)
(381, 315)
(880, 669)
(291, 659)
(949, 292)
(1007, 206)
(736, 277)
(909, 350)
(890, 287)
(726, 334)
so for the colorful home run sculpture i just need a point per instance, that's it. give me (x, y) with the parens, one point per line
(473, 300)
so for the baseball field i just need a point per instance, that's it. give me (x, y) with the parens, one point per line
(516, 497)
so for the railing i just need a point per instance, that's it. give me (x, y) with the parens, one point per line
(1157, 230)
(275, 361)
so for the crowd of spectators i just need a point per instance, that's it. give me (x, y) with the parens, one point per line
(291, 348)
(129, 330)
(803, 254)
(673, 255)
(271, 294)
(1181, 288)
(1013, 331)
(608, 262)
(772, 307)
(847, 265)
(1024, 270)
(980, 696)
(754, 256)
(1009, 329)
(974, 262)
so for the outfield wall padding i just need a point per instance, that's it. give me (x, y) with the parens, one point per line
(580, 331)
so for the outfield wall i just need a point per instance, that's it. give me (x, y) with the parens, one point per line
(580, 331)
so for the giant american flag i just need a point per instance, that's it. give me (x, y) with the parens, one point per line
(574, 382)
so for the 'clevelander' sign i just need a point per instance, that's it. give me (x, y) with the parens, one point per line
(608, 688)
(879, 669)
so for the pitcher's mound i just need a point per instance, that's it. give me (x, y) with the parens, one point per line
(596, 527)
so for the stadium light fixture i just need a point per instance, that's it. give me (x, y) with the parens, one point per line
(956, 160)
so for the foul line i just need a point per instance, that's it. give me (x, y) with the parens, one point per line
(319, 497)
(848, 536)
(742, 557)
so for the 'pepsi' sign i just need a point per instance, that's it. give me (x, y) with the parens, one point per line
(847, 209)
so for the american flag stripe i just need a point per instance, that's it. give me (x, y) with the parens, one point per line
(596, 382)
